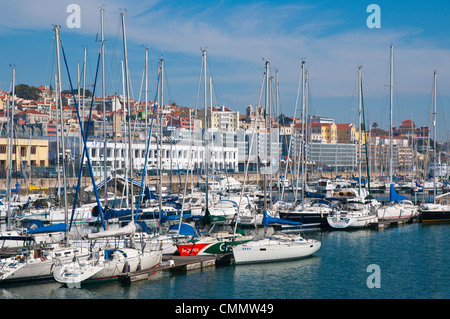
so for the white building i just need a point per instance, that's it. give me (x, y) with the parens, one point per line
(178, 152)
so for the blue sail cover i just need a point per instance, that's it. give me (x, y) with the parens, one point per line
(148, 194)
(185, 229)
(314, 195)
(267, 219)
(356, 178)
(143, 226)
(164, 217)
(393, 196)
(110, 213)
(49, 229)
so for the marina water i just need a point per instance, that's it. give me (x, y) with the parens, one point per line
(413, 262)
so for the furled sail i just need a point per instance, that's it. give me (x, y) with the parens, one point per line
(122, 231)
(267, 219)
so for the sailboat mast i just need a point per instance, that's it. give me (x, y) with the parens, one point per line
(10, 141)
(305, 145)
(360, 126)
(266, 134)
(102, 46)
(125, 134)
(58, 192)
(303, 140)
(146, 91)
(161, 133)
(366, 142)
(390, 114)
(127, 85)
(205, 136)
(84, 95)
(434, 138)
(63, 148)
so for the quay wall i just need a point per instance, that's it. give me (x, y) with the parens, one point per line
(51, 183)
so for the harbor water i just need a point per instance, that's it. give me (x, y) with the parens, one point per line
(406, 262)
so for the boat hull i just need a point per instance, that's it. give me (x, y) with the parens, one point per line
(210, 248)
(34, 269)
(307, 219)
(266, 251)
(349, 222)
(435, 216)
(76, 274)
(396, 211)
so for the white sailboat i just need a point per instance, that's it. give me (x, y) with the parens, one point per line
(278, 247)
(439, 210)
(107, 263)
(38, 264)
(357, 212)
(399, 206)
(354, 214)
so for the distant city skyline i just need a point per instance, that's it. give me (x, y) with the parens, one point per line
(332, 37)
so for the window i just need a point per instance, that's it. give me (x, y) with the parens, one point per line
(33, 149)
(2, 149)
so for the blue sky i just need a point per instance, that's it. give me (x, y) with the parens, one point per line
(331, 36)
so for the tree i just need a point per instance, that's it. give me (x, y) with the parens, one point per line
(88, 92)
(27, 92)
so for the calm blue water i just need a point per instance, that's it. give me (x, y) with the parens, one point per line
(413, 259)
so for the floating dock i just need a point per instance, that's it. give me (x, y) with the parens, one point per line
(394, 222)
(177, 263)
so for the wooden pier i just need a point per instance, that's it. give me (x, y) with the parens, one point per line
(394, 222)
(177, 263)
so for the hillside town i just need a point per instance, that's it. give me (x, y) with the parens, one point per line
(98, 188)
(330, 145)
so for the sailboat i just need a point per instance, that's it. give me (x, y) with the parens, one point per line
(37, 263)
(36, 259)
(311, 212)
(224, 211)
(439, 210)
(399, 206)
(107, 263)
(355, 213)
(277, 247)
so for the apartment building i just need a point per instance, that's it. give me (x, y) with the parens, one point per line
(25, 153)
